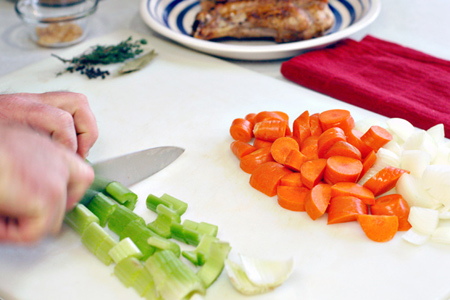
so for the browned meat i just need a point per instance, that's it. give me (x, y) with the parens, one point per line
(280, 20)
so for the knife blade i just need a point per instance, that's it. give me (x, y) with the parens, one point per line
(134, 167)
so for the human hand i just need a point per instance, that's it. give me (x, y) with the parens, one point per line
(65, 116)
(39, 181)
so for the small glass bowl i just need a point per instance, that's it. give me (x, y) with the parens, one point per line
(56, 23)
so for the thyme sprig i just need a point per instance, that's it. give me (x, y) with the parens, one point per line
(87, 63)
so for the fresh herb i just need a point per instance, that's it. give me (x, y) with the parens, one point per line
(87, 64)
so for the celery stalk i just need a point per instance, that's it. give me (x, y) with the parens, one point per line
(177, 205)
(164, 244)
(139, 234)
(121, 193)
(127, 269)
(206, 228)
(103, 207)
(144, 282)
(79, 218)
(124, 249)
(199, 255)
(93, 236)
(215, 263)
(165, 218)
(103, 249)
(121, 217)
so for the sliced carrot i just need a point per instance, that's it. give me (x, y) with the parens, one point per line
(342, 148)
(354, 138)
(270, 115)
(283, 115)
(258, 143)
(336, 118)
(312, 172)
(240, 149)
(342, 169)
(353, 189)
(281, 148)
(376, 137)
(292, 179)
(317, 200)
(241, 130)
(393, 205)
(292, 197)
(267, 177)
(309, 147)
(379, 228)
(251, 161)
(295, 160)
(251, 118)
(270, 130)
(368, 162)
(315, 127)
(345, 209)
(301, 128)
(384, 180)
(328, 138)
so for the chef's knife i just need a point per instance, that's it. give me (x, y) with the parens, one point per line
(135, 167)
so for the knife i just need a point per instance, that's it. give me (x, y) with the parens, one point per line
(134, 167)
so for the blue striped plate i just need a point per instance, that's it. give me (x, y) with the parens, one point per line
(173, 19)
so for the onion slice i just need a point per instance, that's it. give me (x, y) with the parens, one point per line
(412, 191)
(415, 161)
(441, 235)
(415, 238)
(423, 220)
(421, 140)
(400, 127)
(240, 281)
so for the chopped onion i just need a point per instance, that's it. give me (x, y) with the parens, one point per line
(437, 132)
(400, 127)
(444, 215)
(442, 155)
(240, 281)
(267, 272)
(364, 124)
(415, 161)
(394, 146)
(436, 181)
(421, 140)
(423, 220)
(412, 191)
(441, 235)
(415, 238)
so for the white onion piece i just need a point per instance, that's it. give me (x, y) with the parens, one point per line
(415, 161)
(421, 140)
(437, 132)
(364, 124)
(415, 238)
(240, 280)
(442, 155)
(423, 220)
(394, 146)
(441, 235)
(264, 272)
(444, 214)
(400, 127)
(436, 181)
(412, 191)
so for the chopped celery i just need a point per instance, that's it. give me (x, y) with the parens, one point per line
(215, 263)
(144, 282)
(190, 224)
(153, 201)
(139, 234)
(125, 248)
(93, 236)
(165, 218)
(121, 194)
(202, 227)
(185, 234)
(171, 202)
(121, 217)
(164, 244)
(127, 269)
(103, 249)
(179, 206)
(199, 255)
(173, 279)
(88, 196)
(79, 218)
(176, 231)
(103, 207)
(191, 236)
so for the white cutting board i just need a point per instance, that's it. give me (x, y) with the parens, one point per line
(187, 99)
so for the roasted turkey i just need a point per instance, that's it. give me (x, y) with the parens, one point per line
(278, 20)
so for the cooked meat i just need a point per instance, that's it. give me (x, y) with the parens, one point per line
(280, 20)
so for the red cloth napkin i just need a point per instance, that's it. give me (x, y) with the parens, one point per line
(379, 76)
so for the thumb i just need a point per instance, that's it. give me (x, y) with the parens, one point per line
(81, 176)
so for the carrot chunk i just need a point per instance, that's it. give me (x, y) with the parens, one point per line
(251, 161)
(267, 177)
(295, 160)
(317, 200)
(379, 228)
(354, 138)
(258, 143)
(368, 162)
(314, 123)
(342, 148)
(292, 179)
(241, 130)
(393, 205)
(292, 197)
(301, 129)
(312, 172)
(270, 130)
(336, 118)
(281, 148)
(271, 115)
(240, 149)
(384, 180)
(309, 147)
(345, 209)
(376, 137)
(328, 138)
(353, 189)
(251, 118)
(341, 168)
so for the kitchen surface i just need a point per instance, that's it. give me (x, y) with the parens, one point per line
(188, 99)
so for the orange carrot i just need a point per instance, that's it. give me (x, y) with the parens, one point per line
(368, 162)
(342, 148)
(317, 200)
(336, 118)
(292, 197)
(281, 148)
(384, 180)
(312, 172)
(345, 209)
(251, 161)
(258, 143)
(270, 115)
(379, 228)
(267, 177)
(295, 159)
(353, 189)
(270, 130)
(376, 137)
(251, 117)
(341, 168)
(314, 122)
(241, 149)
(292, 179)
(354, 138)
(393, 205)
(301, 128)
(328, 138)
(309, 147)
(241, 130)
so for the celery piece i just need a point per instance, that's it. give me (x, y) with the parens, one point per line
(199, 255)
(165, 218)
(206, 228)
(88, 196)
(179, 206)
(93, 236)
(79, 218)
(103, 207)
(215, 263)
(127, 269)
(190, 224)
(173, 279)
(120, 193)
(103, 249)
(121, 217)
(153, 201)
(164, 244)
(143, 282)
(139, 234)
(177, 233)
(186, 234)
(125, 248)
(191, 236)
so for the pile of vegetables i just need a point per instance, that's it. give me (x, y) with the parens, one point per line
(388, 177)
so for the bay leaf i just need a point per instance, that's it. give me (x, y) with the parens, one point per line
(138, 63)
